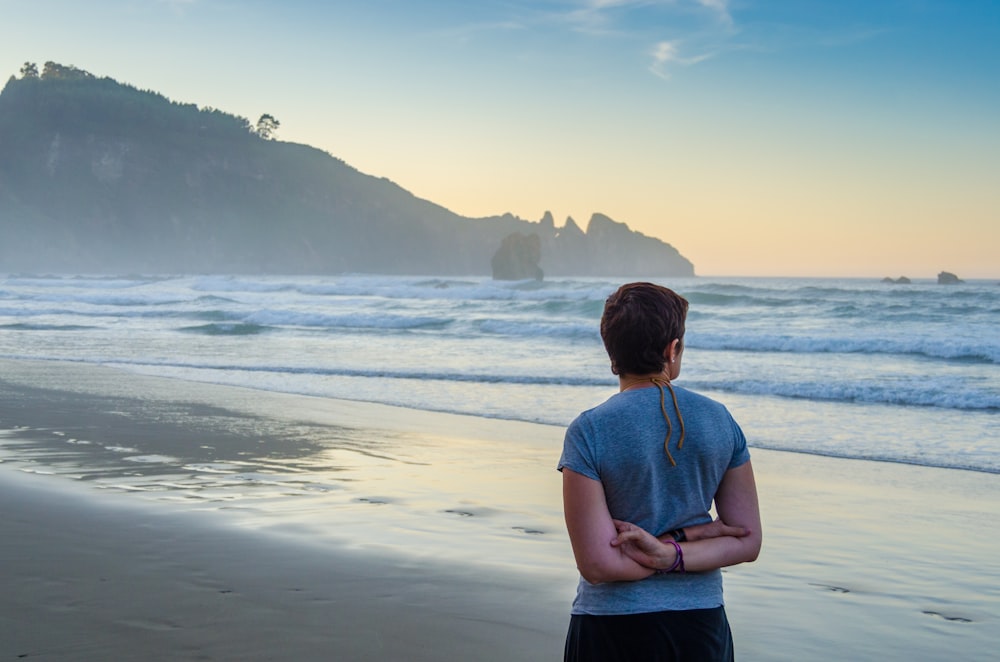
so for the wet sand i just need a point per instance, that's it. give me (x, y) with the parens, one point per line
(157, 519)
(94, 579)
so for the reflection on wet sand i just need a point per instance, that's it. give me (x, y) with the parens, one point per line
(291, 469)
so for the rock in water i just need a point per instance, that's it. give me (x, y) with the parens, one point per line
(948, 278)
(518, 258)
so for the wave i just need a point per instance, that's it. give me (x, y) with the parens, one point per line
(523, 325)
(346, 320)
(269, 319)
(124, 299)
(17, 326)
(214, 298)
(572, 297)
(91, 282)
(722, 299)
(513, 328)
(946, 462)
(922, 393)
(117, 315)
(209, 315)
(927, 301)
(222, 329)
(237, 284)
(560, 321)
(940, 393)
(973, 352)
(914, 395)
(420, 375)
(396, 287)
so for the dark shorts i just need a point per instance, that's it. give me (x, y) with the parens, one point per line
(699, 635)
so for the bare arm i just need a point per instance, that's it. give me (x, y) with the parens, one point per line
(591, 531)
(736, 503)
(712, 529)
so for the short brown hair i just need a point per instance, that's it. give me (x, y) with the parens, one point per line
(640, 320)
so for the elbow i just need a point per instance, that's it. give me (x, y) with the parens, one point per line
(603, 571)
(753, 549)
(593, 573)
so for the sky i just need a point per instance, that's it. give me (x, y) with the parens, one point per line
(758, 137)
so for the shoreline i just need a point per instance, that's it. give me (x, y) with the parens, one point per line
(739, 403)
(436, 551)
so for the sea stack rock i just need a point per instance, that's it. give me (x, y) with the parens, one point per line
(547, 225)
(902, 280)
(518, 258)
(948, 278)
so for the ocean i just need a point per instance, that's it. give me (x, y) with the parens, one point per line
(850, 368)
(119, 390)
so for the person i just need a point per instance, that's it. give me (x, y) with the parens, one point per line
(653, 458)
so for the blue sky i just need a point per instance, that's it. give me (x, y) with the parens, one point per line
(759, 138)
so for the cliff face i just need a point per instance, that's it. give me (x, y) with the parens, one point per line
(610, 248)
(100, 177)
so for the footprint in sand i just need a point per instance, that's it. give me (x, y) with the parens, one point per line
(460, 513)
(955, 619)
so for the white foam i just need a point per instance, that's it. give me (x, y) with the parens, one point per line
(152, 459)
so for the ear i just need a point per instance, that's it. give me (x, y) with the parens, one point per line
(673, 351)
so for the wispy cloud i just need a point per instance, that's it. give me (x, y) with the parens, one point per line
(663, 54)
(603, 11)
(666, 54)
(594, 16)
(695, 30)
(720, 8)
(674, 33)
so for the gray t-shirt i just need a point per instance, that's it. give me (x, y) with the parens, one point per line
(620, 443)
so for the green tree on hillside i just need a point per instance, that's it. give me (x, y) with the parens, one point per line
(54, 70)
(29, 70)
(267, 125)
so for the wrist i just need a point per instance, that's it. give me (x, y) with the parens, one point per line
(677, 560)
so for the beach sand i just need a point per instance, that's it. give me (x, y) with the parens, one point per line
(155, 519)
(93, 580)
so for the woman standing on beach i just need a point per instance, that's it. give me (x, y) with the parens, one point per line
(653, 457)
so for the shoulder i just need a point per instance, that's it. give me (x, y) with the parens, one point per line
(612, 418)
(699, 401)
(610, 407)
(710, 419)
(706, 413)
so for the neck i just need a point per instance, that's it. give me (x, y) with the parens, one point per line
(632, 382)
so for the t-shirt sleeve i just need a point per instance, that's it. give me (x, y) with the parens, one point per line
(741, 454)
(578, 454)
